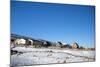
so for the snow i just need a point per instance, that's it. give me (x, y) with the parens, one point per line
(33, 56)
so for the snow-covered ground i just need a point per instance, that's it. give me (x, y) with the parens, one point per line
(33, 56)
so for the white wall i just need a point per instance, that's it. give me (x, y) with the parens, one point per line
(84, 2)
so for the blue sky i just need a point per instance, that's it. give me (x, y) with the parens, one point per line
(54, 22)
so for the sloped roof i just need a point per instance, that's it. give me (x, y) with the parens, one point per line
(25, 37)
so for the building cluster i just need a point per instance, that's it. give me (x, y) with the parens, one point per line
(18, 40)
(27, 41)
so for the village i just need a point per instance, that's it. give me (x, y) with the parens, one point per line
(30, 51)
(18, 40)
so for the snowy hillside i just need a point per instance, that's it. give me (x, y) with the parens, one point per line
(33, 56)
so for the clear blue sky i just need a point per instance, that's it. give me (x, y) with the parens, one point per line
(54, 22)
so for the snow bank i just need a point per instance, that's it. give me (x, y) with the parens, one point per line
(33, 56)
